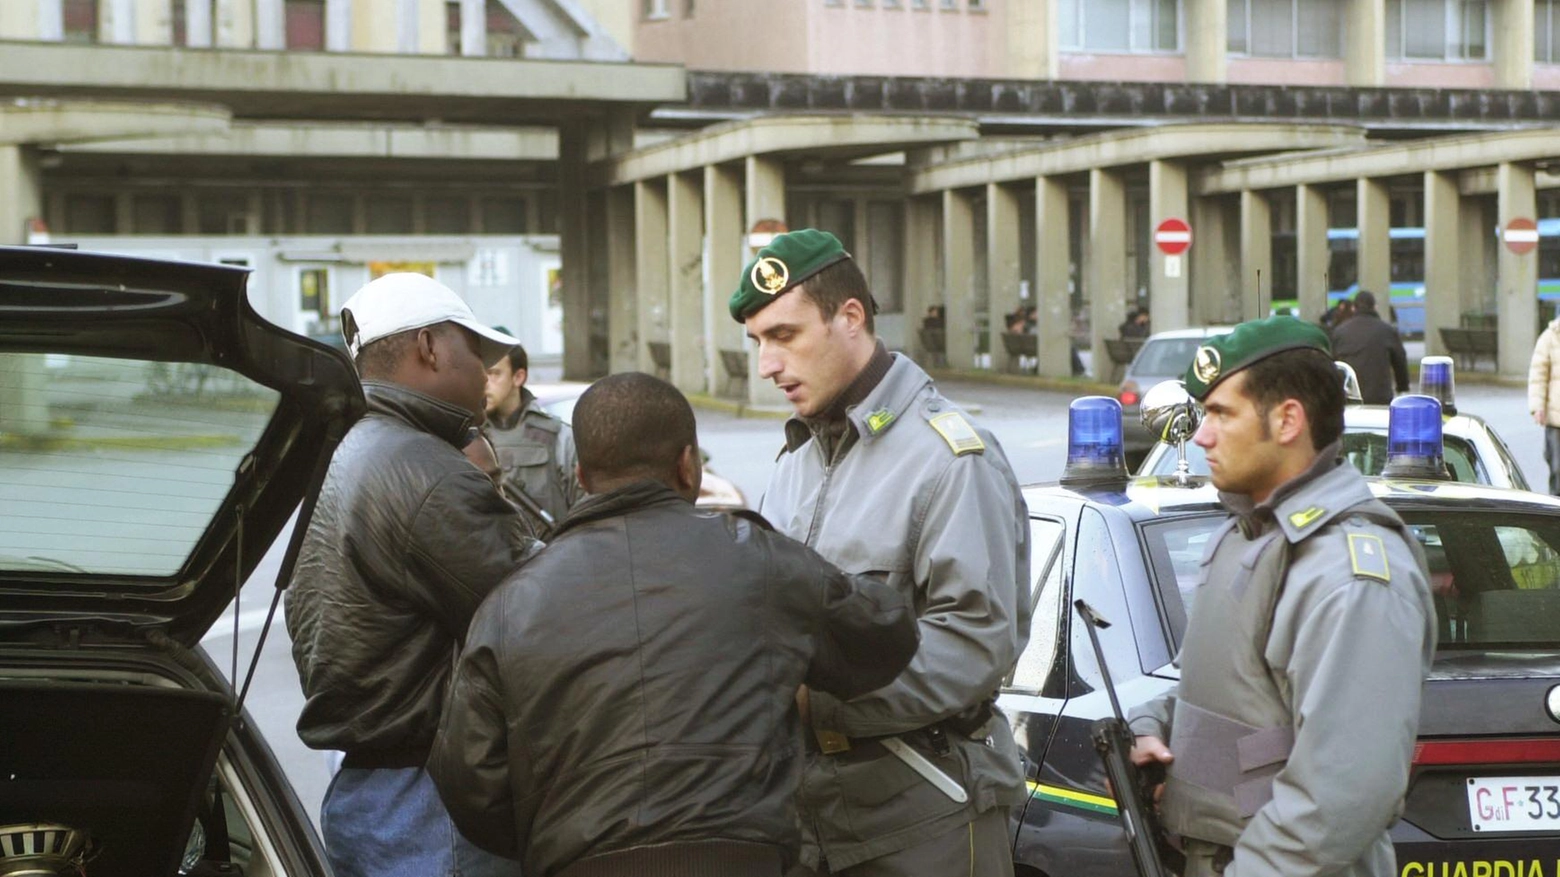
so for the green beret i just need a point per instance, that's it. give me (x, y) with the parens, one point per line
(788, 260)
(1249, 343)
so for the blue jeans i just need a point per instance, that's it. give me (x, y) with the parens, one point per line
(391, 823)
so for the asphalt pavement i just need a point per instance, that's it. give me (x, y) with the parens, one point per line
(1030, 424)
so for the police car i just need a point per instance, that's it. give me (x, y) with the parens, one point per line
(1474, 452)
(1484, 793)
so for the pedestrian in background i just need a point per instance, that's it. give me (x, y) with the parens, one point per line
(1309, 634)
(1374, 349)
(881, 473)
(625, 704)
(1544, 397)
(535, 449)
(405, 541)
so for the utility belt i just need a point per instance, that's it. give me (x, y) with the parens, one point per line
(936, 736)
(386, 758)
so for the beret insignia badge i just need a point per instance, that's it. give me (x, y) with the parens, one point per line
(1206, 364)
(770, 275)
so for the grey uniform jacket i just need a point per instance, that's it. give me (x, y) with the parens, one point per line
(1293, 725)
(929, 500)
(536, 452)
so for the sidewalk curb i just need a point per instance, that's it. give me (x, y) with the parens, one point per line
(1075, 386)
(739, 409)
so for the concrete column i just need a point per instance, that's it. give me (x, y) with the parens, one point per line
(1002, 267)
(1479, 260)
(574, 250)
(1169, 277)
(1207, 40)
(1211, 262)
(958, 280)
(23, 405)
(723, 260)
(20, 21)
(1443, 252)
(432, 39)
(920, 259)
(376, 25)
(1374, 218)
(1365, 42)
(623, 305)
(763, 186)
(685, 247)
(116, 21)
(1030, 40)
(270, 25)
(473, 28)
(1053, 302)
(1256, 256)
(1517, 297)
(1105, 263)
(1311, 255)
(197, 24)
(1511, 50)
(235, 24)
(338, 25)
(652, 267)
(154, 22)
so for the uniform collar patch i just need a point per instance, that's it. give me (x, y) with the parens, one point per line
(879, 420)
(1306, 517)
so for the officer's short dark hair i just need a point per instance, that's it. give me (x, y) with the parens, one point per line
(837, 284)
(1309, 377)
(518, 361)
(632, 425)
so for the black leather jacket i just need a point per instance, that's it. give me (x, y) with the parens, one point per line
(633, 686)
(406, 541)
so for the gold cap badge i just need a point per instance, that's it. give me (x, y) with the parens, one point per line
(770, 275)
(1206, 364)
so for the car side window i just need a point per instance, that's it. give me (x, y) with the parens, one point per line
(1045, 594)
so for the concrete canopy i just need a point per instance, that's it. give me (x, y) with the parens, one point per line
(357, 140)
(1347, 165)
(79, 121)
(838, 138)
(1131, 147)
(339, 86)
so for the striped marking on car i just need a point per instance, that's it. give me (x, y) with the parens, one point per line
(1073, 798)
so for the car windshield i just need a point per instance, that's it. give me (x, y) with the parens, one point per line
(1495, 577)
(117, 466)
(1165, 356)
(1366, 449)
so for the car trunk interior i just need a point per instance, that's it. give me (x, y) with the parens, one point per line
(126, 764)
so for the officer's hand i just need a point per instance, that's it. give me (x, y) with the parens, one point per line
(1150, 750)
(1538, 418)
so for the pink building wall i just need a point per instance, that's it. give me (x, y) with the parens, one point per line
(1122, 67)
(1284, 71)
(1546, 77)
(1403, 74)
(722, 36)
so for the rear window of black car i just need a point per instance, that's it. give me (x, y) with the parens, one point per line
(117, 466)
(1495, 577)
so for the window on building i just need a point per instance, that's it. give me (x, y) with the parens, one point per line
(1546, 31)
(89, 214)
(305, 24)
(505, 36)
(81, 21)
(452, 27)
(503, 216)
(1438, 30)
(157, 214)
(921, 4)
(863, 4)
(1120, 25)
(950, 5)
(446, 214)
(655, 9)
(178, 18)
(1286, 28)
(977, 5)
(388, 214)
(688, 8)
(328, 213)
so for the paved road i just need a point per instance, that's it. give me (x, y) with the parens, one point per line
(1030, 424)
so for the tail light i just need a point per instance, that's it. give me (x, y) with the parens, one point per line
(1129, 394)
(1503, 750)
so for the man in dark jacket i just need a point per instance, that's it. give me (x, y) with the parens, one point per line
(625, 704)
(405, 542)
(1374, 349)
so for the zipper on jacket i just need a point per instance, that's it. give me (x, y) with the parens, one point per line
(823, 489)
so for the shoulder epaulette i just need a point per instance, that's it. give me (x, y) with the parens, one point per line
(956, 430)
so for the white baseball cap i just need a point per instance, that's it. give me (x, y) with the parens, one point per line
(402, 302)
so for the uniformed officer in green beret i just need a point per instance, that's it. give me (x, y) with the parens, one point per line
(882, 474)
(1311, 631)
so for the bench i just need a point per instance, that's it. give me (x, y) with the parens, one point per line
(1121, 352)
(1467, 345)
(1023, 350)
(735, 364)
(661, 358)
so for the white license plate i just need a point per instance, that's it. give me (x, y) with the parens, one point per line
(1514, 803)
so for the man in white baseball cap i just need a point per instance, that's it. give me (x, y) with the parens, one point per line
(406, 540)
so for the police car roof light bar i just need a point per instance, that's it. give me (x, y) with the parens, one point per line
(1437, 377)
(1094, 445)
(1414, 439)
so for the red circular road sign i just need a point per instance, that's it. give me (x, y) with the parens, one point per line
(1173, 237)
(1521, 235)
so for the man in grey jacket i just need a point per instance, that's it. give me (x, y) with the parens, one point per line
(535, 449)
(1310, 633)
(881, 473)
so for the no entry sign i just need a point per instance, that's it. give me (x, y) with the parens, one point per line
(1173, 236)
(1521, 235)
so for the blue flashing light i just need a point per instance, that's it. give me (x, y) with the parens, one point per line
(1414, 439)
(1437, 378)
(1094, 446)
